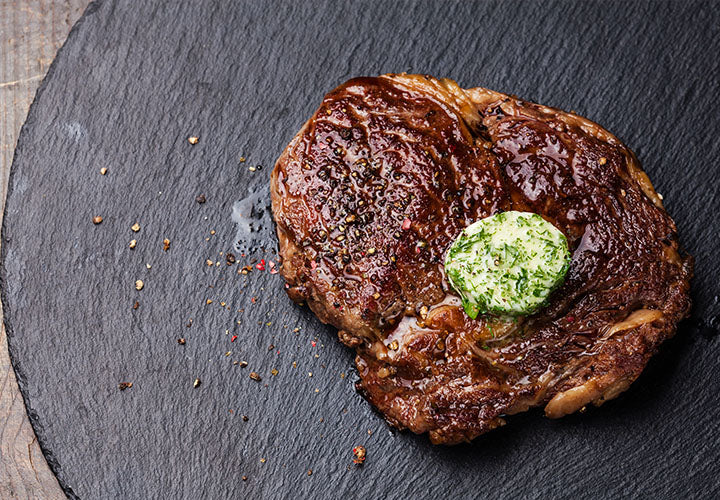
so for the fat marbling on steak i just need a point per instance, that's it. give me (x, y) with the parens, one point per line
(372, 191)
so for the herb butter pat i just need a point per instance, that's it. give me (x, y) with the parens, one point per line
(507, 264)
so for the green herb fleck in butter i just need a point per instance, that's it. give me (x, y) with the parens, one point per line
(507, 264)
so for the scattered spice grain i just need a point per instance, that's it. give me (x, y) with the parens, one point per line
(360, 455)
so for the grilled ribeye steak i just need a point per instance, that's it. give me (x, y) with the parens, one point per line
(372, 191)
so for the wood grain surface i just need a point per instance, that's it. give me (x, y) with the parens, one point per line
(31, 31)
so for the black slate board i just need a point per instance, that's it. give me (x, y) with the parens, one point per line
(135, 79)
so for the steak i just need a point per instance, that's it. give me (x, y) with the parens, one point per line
(372, 191)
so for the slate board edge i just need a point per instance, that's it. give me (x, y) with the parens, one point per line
(7, 309)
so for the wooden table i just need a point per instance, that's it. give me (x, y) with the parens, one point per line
(31, 31)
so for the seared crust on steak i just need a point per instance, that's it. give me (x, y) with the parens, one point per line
(372, 191)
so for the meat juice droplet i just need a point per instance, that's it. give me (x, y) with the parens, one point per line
(709, 324)
(253, 221)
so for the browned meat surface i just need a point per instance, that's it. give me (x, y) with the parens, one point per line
(371, 192)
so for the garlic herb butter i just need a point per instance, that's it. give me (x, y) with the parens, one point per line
(507, 264)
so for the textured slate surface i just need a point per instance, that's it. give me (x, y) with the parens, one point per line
(135, 79)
